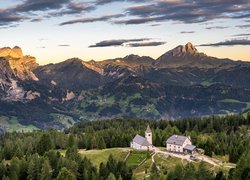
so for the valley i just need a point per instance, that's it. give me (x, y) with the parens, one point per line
(181, 83)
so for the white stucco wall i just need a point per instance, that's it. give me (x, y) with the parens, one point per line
(139, 147)
(148, 136)
(178, 148)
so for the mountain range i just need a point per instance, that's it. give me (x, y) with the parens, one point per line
(181, 83)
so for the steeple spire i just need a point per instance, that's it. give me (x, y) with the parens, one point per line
(148, 130)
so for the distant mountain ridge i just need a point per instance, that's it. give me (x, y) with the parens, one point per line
(180, 83)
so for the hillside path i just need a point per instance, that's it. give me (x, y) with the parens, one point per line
(187, 157)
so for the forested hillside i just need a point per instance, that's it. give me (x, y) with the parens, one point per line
(39, 154)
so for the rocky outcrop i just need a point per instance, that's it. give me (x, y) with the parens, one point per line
(188, 56)
(6, 74)
(20, 65)
(30, 62)
(188, 48)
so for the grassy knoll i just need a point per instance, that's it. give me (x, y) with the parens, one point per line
(98, 156)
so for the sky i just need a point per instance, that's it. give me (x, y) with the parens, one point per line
(56, 30)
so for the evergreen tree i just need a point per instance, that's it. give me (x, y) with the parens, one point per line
(32, 171)
(2, 170)
(14, 168)
(65, 174)
(242, 170)
(103, 171)
(71, 141)
(46, 171)
(111, 164)
(203, 173)
(189, 172)
(220, 176)
(157, 139)
(44, 144)
(111, 177)
(178, 171)
(101, 143)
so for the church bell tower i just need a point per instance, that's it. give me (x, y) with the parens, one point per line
(148, 134)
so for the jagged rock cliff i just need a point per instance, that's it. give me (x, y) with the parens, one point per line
(21, 65)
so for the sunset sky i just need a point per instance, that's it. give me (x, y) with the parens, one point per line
(55, 30)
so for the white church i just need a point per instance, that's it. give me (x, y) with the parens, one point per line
(143, 143)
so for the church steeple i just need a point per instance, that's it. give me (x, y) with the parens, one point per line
(148, 134)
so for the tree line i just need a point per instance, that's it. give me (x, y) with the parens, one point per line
(36, 155)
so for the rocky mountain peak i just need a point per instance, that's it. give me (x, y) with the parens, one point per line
(131, 56)
(189, 48)
(21, 65)
(15, 53)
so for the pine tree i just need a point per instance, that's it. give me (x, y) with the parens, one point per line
(189, 172)
(31, 171)
(203, 173)
(111, 164)
(111, 177)
(101, 143)
(14, 168)
(71, 141)
(44, 144)
(103, 171)
(46, 171)
(2, 170)
(65, 174)
(243, 166)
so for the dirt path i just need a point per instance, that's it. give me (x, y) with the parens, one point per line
(187, 157)
(153, 161)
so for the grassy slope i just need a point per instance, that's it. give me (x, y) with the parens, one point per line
(136, 158)
(66, 121)
(236, 101)
(142, 164)
(98, 156)
(12, 125)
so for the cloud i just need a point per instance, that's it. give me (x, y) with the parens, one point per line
(63, 45)
(243, 42)
(243, 26)
(40, 5)
(73, 8)
(117, 42)
(145, 44)
(141, 20)
(154, 25)
(103, 2)
(7, 18)
(92, 19)
(187, 32)
(41, 47)
(37, 10)
(186, 11)
(36, 20)
(241, 35)
(217, 27)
